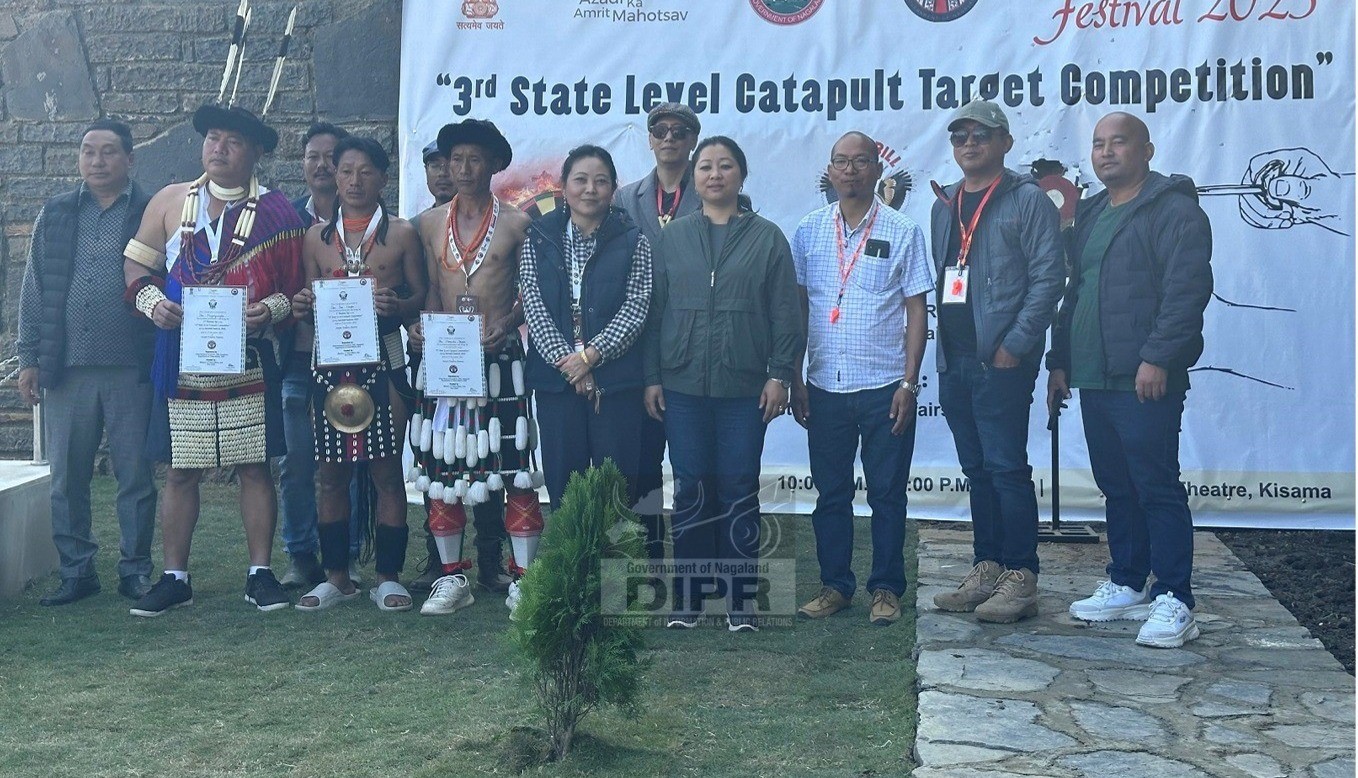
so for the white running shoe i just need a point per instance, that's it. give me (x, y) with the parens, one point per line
(512, 601)
(1111, 602)
(450, 594)
(1169, 625)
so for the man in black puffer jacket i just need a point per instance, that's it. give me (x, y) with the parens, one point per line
(1128, 330)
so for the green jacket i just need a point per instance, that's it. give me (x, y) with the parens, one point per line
(722, 326)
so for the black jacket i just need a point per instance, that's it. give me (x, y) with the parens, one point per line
(1016, 266)
(1154, 283)
(52, 254)
(603, 290)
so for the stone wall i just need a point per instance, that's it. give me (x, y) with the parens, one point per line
(64, 63)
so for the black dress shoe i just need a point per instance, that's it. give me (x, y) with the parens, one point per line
(72, 589)
(134, 587)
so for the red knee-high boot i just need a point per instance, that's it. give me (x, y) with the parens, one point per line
(523, 522)
(446, 524)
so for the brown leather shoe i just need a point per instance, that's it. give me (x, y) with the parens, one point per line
(886, 608)
(1015, 598)
(976, 588)
(827, 603)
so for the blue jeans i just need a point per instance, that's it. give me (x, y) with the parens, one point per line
(297, 475)
(1134, 455)
(838, 421)
(715, 447)
(987, 410)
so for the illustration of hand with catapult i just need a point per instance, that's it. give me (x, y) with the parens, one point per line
(1287, 187)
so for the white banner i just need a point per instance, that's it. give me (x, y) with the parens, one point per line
(1253, 99)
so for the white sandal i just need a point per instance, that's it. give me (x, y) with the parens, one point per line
(327, 595)
(386, 589)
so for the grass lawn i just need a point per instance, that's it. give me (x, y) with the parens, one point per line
(219, 689)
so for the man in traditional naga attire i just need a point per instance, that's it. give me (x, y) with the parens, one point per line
(222, 229)
(359, 412)
(472, 248)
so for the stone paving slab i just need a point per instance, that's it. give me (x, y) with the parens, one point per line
(1257, 696)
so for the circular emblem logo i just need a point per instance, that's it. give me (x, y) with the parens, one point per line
(940, 10)
(480, 9)
(212, 345)
(348, 334)
(452, 369)
(786, 11)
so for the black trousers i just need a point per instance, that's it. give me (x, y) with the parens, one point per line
(573, 437)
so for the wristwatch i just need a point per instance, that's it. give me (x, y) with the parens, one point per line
(912, 388)
(786, 384)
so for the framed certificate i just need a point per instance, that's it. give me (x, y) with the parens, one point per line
(212, 335)
(346, 322)
(455, 365)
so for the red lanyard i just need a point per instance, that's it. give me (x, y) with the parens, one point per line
(968, 231)
(465, 261)
(667, 215)
(846, 271)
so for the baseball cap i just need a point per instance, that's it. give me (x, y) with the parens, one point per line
(981, 112)
(682, 112)
(432, 150)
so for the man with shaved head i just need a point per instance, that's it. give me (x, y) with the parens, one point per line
(1129, 328)
(864, 271)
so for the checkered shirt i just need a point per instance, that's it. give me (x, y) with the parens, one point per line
(96, 317)
(865, 348)
(620, 333)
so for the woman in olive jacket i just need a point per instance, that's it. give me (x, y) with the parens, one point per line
(722, 343)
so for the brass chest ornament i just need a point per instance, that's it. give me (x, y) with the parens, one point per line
(349, 408)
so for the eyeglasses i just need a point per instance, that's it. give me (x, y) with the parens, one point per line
(676, 131)
(982, 136)
(859, 163)
(437, 163)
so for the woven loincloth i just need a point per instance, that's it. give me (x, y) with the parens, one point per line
(219, 421)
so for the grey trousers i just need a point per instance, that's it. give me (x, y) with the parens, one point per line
(89, 401)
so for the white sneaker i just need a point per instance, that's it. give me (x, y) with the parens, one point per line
(450, 594)
(512, 601)
(1169, 625)
(1111, 602)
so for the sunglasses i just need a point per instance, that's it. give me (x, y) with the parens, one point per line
(676, 131)
(982, 136)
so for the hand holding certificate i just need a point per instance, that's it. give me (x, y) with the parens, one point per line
(212, 335)
(454, 362)
(346, 322)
